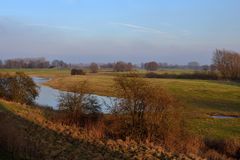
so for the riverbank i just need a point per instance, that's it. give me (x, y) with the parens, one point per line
(32, 134)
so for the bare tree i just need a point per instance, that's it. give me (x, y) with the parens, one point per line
(193, 65)
(1, 63)
(151, 109)
(107, 66)
(59, 64)
(122, 66)
(78, 103)
(94, 67)
(227, 63)
(151, 66)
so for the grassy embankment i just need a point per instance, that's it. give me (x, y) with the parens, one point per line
(200, 97)
(31, 133)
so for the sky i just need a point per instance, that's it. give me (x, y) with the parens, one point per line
(173, 31)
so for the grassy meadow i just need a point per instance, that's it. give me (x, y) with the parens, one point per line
(200, 98)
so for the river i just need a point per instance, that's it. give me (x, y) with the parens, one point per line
(49, 96)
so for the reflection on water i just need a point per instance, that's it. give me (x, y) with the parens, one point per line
(224, 117)
(49, 96)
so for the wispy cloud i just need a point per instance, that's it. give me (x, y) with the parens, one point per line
(170, 34)
(140, 28)
(57, 27)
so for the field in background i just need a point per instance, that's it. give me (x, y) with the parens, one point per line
(200, 97)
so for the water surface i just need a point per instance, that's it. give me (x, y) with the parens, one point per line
(224, 117)
(49, 96)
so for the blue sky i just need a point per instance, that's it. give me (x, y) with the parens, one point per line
(173, 31)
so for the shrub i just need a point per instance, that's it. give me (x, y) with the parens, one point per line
(122, 66)
(93, 68)
(19, 88)
(151, 66)
(79, 106)
(4, 85)
(151, 110)
(232, 148)
(115, 127)
(77, 72)
(95, 129)
(227, 147)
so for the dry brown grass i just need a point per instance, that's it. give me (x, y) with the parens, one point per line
(53, 140)
(33, 133)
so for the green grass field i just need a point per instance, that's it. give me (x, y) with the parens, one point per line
(201, 98)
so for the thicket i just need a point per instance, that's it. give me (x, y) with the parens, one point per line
(151, 66)
(122, 66)
(81, 108)
(18, 88)
(77, 72)
(94, 67)
(227, 63)
(147, 112)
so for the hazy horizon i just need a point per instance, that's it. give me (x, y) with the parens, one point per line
(84, 31)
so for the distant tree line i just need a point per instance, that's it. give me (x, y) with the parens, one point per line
(121, 66)
(151, 66)
(107, 65)
(203, 75)
(32, 63)
(59, 64)
(26, 63)
(226, 62)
